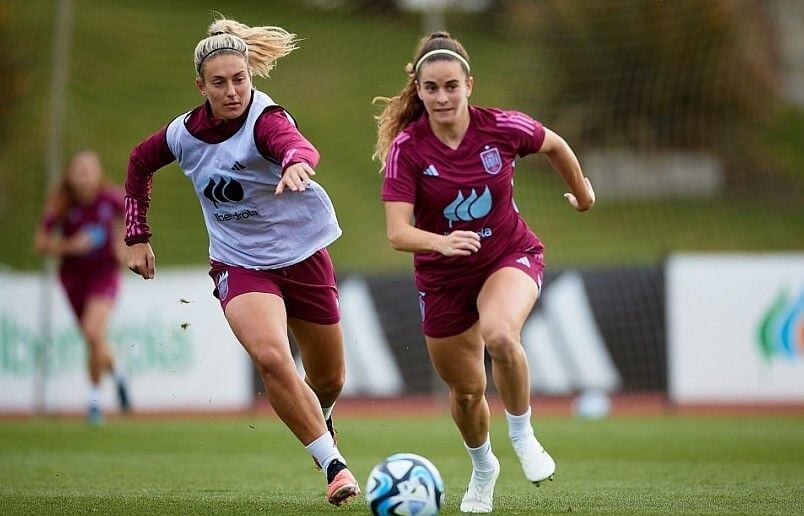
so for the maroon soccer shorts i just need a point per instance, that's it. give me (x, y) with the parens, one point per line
(80, 286)
(449, 311)
(308, 288)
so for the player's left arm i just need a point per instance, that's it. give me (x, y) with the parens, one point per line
(276, 135)
(45, 242)
(563, 160)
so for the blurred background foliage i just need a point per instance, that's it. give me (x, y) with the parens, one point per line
(642, 75)
(646, 75)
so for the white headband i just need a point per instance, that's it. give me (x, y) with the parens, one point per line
(456, 55)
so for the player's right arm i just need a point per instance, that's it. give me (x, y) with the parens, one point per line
(404, 236)
(399, 195)
(149, 156)
(49, 241)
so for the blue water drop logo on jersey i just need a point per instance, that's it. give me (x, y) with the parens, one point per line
(97, 235)
(471, 207)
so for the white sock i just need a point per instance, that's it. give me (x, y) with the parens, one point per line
(120, 373)
(324, 451)
(94, 395)
(519, 427)
(327, 411)
(481, 456)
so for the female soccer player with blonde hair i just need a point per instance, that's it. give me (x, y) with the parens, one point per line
(268, 224)
(448, 193)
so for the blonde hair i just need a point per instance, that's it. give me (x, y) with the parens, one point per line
(402, 109)
(260, 46)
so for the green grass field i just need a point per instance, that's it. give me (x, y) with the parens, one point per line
(252, 465)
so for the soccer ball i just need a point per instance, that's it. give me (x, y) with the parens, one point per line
(404, 484)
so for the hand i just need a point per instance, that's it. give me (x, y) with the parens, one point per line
(586, 203)
(78, 244)
(141, 260)
(50, 245)
(460, 243)
(296, 177)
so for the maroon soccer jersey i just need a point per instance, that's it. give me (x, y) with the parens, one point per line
(99, 219)
(97, 272)
(468, 188)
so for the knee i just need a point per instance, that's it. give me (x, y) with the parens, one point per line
(503, 345)
(94, 338)
(331, 382)
(467, 399)
(270, 362)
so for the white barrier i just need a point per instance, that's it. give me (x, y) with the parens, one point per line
(169, 331)
(736, 328)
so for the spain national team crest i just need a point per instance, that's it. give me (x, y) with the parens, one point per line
(492, 162)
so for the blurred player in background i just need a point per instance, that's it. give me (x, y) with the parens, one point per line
(448, 194)
(268, 224)
(82, 225)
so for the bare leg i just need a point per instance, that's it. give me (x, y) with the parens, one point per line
(259, 322)
(94, 322)
(504, 304)
(458, 360)
(321, 348)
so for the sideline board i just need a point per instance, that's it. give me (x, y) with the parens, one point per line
(735, 327)
(169, 331)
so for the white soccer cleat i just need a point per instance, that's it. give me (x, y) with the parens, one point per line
(537, 464)
(479, 496)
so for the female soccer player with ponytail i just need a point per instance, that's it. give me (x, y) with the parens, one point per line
(268, 224)
(448, 194)
(82, 226)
